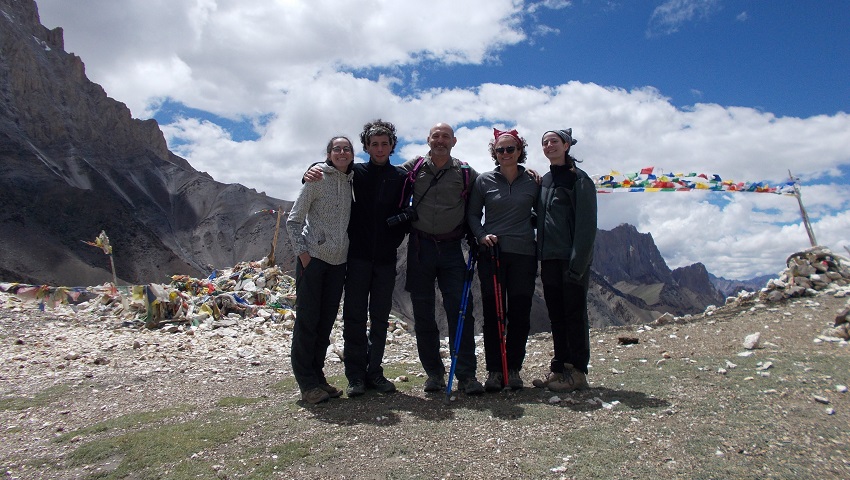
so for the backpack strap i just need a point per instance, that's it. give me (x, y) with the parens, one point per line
(464, 170)
(412, 174)
(407, 188)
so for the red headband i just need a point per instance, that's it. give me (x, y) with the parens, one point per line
(498, 133)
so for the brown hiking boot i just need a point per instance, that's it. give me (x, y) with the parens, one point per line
(551, 377)
(571, 380)
(331, 390)
(315, 395)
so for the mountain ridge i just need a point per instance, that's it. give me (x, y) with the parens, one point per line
(74, 162)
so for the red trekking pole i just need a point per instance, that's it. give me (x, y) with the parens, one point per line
(500, 311)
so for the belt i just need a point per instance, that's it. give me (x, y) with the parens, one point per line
(455, 234)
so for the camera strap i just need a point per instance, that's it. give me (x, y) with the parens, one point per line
(434, 181)
(410, 180)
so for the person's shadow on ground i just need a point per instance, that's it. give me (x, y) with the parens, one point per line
(387, 410)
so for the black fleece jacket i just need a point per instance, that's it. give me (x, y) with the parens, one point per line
(377, 192)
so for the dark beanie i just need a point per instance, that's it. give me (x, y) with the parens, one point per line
(565, 134)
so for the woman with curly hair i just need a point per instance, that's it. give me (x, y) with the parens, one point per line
(505, 198)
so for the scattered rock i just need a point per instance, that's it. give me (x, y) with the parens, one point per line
(751, 341)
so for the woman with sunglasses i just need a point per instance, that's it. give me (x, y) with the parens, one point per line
(505, 198)
(317, 227)
(566, 230)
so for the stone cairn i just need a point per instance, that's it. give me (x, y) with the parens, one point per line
(812, 272)
(809, 273)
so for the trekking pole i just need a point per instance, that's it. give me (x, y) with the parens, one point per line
(464, 301)
(500, 311)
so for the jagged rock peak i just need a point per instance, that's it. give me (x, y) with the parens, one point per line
(25, 14)
(53, 102)
(624, 254)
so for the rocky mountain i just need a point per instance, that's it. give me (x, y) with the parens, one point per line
(74, 162)
(631, 263)
(730, 288)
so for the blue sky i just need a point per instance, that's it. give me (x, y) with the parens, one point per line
(251, 91)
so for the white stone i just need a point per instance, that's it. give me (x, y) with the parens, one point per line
(752, 341)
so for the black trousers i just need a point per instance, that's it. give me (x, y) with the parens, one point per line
(318, 290)
(567, 305)
(368, 296)
(517, 277)
(430, 261)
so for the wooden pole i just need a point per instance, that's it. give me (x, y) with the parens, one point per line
(114, 277)
(805, 216)
(274, 240)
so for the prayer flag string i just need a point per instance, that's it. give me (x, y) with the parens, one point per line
(647, 181)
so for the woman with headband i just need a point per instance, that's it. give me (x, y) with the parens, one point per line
(507, 195)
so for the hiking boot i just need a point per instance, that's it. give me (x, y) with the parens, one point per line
(435, 383)
(571, 380)
(514, 380)
(355, 388)
(332, 391)
(556, 377)
(381, 384)
(579, 379)
(493, 382)
(315, 395)
(470, 386)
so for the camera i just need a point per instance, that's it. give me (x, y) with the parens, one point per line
(407, 215)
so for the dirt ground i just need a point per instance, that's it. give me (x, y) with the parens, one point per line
(86, 395)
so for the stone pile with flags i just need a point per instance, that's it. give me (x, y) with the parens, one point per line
(247, 289)
(808, 273)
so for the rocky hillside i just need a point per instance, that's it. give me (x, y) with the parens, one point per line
(632, 264)
(74, 162)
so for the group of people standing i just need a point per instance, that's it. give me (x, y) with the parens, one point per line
(349, 220)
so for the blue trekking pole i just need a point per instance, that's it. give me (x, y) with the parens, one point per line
(464, 301)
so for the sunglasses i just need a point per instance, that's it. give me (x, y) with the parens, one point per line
(501, 150)
(341, 149)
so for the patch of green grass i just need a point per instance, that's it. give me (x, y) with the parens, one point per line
(286, 385)
(396, 370)
(238, 401)
(143, 454)
(279, 457)
(131, 420)
(42, 398)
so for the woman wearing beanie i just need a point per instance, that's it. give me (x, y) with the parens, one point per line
(566, 230)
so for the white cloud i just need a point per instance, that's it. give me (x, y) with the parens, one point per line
(292, 60)
(668, 17)
(252, 53)
(549, 4)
